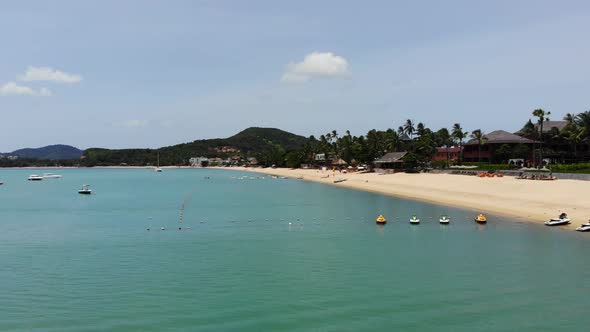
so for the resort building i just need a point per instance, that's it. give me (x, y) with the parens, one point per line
(498, 147)
(199, 162)
(390, 162)
(447, 153)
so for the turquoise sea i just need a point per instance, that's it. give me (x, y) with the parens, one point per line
(270, 255)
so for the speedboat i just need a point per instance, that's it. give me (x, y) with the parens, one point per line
(51, 176)
(414, 220)
(381, 220)
(85, 190)
(444, 219)
(481, 219)
(35, 177)
(561, 220)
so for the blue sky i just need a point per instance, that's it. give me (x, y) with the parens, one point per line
(153, 73)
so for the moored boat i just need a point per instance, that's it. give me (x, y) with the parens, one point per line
(481, 219)
(85, 190)
(35, 177)
(51, 176)
(561, 220)
(584, 227)
(381, 219)
(444, 219)
(339, 180)
(158, 169)
(414, 220)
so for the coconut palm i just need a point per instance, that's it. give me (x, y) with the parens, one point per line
(409, 128)
(543, 117)
(478, 135)
(458, 134)
(582, 121)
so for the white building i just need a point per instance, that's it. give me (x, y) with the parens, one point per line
(199, 161)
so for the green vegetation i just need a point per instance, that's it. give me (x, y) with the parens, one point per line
(583, 168)
(482, 166)
(567, 144)
(266, 144)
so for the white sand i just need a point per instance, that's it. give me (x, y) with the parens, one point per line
(525, 200)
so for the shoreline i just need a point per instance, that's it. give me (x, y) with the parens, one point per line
(524, 200)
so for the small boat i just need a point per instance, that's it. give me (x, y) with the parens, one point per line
(414, 220)
(1, 183)
(35, 177)
(481, 219)
(339, 180)
(444, 219)
(51, 176)
(85, 190)
(158, 169)
(381, 220)
(561, 220)
(584, 227)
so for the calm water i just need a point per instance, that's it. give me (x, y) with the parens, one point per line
(270, 255)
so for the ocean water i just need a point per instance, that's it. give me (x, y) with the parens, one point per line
(271, 255)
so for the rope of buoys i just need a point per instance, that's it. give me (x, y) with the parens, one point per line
(183, 206)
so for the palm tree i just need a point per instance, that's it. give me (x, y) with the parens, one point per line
(480, 137)
(420, 129)
(409, 128)
(460, 135)
(582, 121)
(543, 117)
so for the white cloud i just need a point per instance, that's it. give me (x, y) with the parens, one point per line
(49, 74)
(131, 124)
(13, 89)
(316, 64)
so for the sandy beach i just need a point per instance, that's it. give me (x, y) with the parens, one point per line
(525, 200)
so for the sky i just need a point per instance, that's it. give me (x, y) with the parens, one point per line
(122, 74)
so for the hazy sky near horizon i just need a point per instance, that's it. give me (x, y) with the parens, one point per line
(123, 74)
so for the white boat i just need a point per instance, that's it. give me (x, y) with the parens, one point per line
(158, 169)
(51, 176)
(339, 180)
(35, 177)
(584, 227)
(414, 220)
(561, 220)
(444, 219)
(85, 190)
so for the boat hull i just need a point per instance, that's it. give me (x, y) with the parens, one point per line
(83, 192)
(480, 221)
(557, 223)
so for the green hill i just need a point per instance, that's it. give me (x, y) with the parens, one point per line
(50, 152)
(253, 142)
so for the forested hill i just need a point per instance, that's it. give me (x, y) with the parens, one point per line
(253, 141)
(50, 152)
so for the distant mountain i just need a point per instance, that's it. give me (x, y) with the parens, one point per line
(51, 152)
(249, 142)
